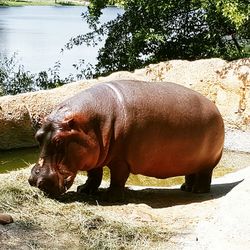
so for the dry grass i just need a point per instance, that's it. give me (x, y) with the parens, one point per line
(44, 223)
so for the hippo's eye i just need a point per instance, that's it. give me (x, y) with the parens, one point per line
(39, 138)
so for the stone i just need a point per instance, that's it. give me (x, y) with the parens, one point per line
(6, 219)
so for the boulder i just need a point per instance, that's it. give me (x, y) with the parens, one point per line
(225, 83)
(21, 115)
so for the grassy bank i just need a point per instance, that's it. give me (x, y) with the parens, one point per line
(12, 3)
(43, 223)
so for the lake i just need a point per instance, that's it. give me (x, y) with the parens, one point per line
(38, 33)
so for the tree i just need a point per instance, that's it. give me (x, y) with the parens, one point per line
(15, 79)
(159, 30)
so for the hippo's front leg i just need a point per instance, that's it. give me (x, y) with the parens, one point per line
(93, 182)
(119, 173)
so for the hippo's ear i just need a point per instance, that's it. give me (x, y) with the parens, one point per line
(70, 131)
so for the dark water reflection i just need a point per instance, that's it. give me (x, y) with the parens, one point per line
(17, 159)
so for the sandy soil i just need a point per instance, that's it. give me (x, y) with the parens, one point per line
(218, 220)
(237, 140)
(228, 226)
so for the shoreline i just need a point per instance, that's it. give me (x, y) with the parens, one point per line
(23, 3)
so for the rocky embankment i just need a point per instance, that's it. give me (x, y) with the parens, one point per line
(225, 83)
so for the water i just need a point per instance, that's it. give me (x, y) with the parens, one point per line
(38, 33)
(230, 162)
(17, 159)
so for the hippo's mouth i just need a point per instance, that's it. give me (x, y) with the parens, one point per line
(66, 186)
(67, 183)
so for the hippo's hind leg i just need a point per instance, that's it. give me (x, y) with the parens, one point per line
(93, 182)
(189, 183)
(199, 182)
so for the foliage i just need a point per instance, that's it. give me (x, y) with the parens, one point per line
(14, 79)
(153, 31)
(40, 2)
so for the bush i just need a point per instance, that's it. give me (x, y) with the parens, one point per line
(15, 79)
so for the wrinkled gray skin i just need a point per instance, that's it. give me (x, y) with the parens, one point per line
(154, 129)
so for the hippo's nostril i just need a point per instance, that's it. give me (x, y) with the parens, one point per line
(32, 181)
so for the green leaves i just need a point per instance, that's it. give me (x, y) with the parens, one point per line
(159, 30)
(15, 79)
(236, 11)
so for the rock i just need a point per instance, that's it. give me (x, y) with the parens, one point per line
(225, 83)
(6, 219)
(21, 115)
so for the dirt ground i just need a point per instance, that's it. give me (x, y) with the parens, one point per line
(218, 220)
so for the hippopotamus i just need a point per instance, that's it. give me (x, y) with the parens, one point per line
(156, 129)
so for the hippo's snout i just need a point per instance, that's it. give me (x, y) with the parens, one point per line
(46, 180)
(34, 175)
(32, 181)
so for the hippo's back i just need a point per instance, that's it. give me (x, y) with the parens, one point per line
(168, 126)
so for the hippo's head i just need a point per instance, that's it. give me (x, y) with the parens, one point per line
(53, 182)
(65, 149)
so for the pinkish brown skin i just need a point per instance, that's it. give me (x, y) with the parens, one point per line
(154, 129)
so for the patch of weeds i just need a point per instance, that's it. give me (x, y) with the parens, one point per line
(33, 244)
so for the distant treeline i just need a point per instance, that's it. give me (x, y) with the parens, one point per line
(42, 2)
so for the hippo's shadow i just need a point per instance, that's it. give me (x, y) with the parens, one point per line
(153, 197)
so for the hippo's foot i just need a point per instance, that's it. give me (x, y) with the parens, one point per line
(186, 188)
(93, 182)
(114, 195)
(87, 189)
(197, 183)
